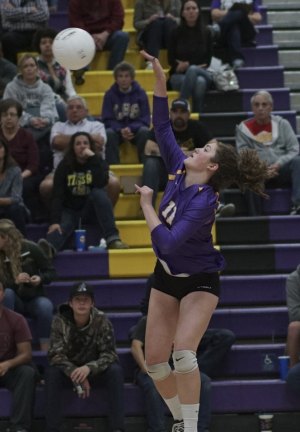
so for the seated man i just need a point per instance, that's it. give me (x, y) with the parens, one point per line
(16, 373)
(276, 143)
(293, 337)
(20, 20)
(125, 113)
(82, 355)
(104, 20)
(61, 132)
(236, 21)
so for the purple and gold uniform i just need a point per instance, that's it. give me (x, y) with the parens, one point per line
(183, 241)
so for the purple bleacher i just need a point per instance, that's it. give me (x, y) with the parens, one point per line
(253, 290)
(264, 35)
(59, 20)
(279, 202)
(281, 97)
(236, 396)
(287, 257)
(284, 229)
(261, 55)
(258, 322)
(266, 77)
(71, 264)
(109, 293)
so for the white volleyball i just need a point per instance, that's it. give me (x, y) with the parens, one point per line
(74, 48)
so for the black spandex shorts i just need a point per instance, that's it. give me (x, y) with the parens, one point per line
(181, 286)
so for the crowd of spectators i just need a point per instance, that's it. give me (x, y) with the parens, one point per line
(54, 167)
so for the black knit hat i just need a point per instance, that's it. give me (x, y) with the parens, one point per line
(81, 288)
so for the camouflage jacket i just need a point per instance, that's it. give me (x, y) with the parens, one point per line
(92, 345)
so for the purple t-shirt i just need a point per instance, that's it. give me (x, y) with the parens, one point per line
(183, 241)
(13, 330)
(226, 4)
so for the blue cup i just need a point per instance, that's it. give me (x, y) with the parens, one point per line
(80, 236)
(284, 363)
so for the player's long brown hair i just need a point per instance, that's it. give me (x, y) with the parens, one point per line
(244, 169)
(12, 251)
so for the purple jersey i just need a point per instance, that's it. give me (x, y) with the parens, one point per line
(183, 240)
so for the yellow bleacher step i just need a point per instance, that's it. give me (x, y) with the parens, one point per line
(128, 19)
(131, 262)
(135, 233)
(128, 4)
(132, 56)
(128, 176)
(94, 100)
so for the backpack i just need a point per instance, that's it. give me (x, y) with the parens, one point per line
(225, 79)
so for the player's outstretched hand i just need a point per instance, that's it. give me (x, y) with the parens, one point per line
(157, 67)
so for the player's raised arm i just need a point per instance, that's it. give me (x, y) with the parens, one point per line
(160, 87)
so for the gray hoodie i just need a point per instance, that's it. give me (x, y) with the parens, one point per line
(293, 294)
(283, 147)
(37, 100)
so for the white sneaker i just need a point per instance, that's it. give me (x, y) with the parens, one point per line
(178, 426)
(149, 65)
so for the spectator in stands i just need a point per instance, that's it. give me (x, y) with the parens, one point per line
(8, 71)
(24, 151)
(213, 347)
(154, 21)
(293, 304)
(51, 72)
(125, 113)
(79, 194)
(11, 201)
(276, 143)
(20, 20)
(82, 355)
(236, 21)
(38, 102)
(189, 55)
(16, 373)
(24, 270)
(61, 133)
(104, 20)
(189, 134)
(293, 337)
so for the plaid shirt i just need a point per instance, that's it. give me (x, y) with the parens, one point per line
(20, 16)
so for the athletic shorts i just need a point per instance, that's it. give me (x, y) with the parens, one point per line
(179, 287)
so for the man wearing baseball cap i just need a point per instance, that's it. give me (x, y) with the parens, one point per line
(190, 134)
(83, 354)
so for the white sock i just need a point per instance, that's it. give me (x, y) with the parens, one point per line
(190, 417)
(175, 407)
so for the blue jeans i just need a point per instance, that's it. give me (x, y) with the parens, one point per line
(156, 408)
(97, 204)
(236, 30)
(40, 308)
(293, 379)
(116, 43)
(194, 83)
(17, 214)
(114, 139)
(157, 34)
(112, 379)
(155, 175)
(213, 347)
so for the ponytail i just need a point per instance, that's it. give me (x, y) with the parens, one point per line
(244, 170)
